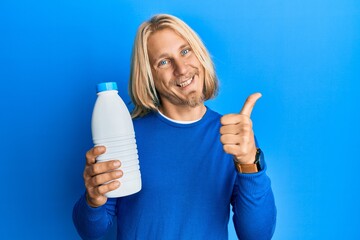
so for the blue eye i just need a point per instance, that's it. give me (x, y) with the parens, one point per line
(185, 51)
(163, 62)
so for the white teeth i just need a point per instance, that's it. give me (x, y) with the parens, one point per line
(186, 83)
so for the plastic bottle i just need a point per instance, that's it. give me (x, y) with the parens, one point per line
(112, 127)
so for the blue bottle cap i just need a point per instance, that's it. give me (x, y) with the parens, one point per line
(106, 86)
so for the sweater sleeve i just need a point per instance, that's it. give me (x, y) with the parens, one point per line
(93, 223)
(253, 205)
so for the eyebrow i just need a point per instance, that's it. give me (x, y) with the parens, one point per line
(165, 55)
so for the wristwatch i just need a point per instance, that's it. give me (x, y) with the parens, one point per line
(252, 167)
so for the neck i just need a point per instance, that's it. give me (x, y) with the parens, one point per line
(184, 113)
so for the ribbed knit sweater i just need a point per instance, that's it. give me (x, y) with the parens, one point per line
(189, 186)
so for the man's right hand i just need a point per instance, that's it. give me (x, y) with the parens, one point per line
(97, 174)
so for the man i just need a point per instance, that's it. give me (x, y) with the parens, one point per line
(194, 163)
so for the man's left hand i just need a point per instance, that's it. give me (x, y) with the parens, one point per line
(237, 134)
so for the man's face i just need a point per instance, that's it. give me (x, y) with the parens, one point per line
(178, 74)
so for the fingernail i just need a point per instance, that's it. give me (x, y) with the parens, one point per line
(116, 163)
(100, 148)
(119, 173)
(116, 183)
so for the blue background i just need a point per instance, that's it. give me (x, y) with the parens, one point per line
(304, 56)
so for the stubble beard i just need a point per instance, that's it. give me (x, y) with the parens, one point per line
(192, 100)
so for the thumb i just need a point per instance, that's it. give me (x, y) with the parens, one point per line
(250, 103)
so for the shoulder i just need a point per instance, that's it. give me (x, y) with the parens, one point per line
(211, 114)
(144, 120)
(145, 117)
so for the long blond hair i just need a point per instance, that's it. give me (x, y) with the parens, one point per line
(141, 85)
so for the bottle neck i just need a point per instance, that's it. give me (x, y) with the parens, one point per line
(107, 92)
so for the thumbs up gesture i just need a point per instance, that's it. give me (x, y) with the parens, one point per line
(237, 135)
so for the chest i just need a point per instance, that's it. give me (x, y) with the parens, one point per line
(185, 164)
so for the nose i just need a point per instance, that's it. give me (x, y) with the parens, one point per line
(180, 67)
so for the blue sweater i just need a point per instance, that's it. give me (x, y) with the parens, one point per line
(189, 183)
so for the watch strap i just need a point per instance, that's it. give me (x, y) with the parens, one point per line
(252, 167)
(247, 168)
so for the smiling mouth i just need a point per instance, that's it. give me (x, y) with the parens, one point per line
(186, 83)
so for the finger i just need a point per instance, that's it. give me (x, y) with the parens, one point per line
(93, 153)
(249, 104)
(105, 177)
(241, 128)
(231, 139)
(233, 119)
(236, 150)
(103, 167)
(108, 187)
(229, 129)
